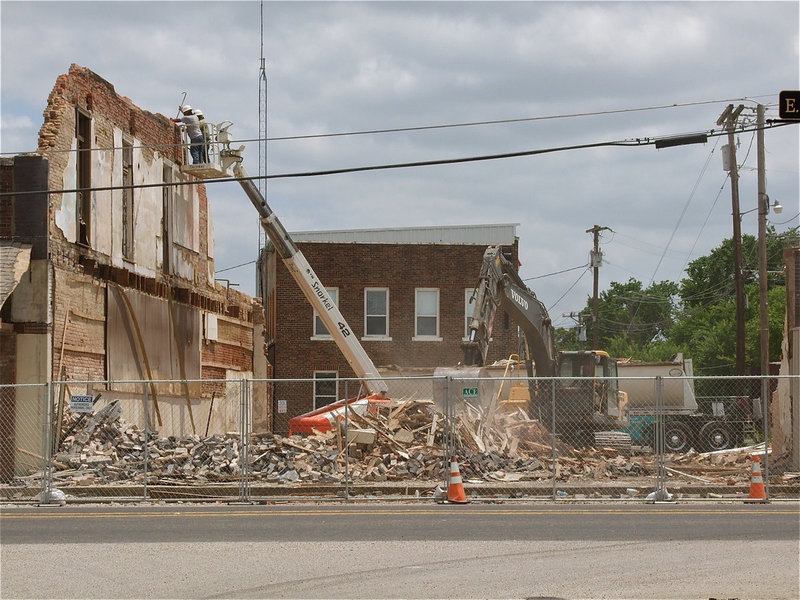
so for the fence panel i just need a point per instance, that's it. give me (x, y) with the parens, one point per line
(672, 438)
(23, 441)
(148, 446)
(355, 447)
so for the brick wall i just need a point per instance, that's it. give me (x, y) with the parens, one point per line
(400, 267)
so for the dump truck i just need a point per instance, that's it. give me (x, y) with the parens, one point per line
(705, 423)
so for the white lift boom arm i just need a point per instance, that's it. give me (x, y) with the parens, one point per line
(304, 275)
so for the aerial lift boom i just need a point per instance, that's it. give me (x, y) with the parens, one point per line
(301, 271)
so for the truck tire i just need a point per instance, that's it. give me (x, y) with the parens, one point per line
(716, 435)
(677, 437)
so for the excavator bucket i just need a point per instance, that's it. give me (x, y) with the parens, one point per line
(518, 395)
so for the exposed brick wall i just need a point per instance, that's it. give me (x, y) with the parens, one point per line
(81, 274)
(400, 267)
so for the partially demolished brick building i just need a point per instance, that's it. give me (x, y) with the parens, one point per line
(109, 275)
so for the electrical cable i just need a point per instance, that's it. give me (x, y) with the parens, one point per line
(631, 143)
(244, 264)
(444, 126)
(552, 307)
(677, 224)
(556, 272)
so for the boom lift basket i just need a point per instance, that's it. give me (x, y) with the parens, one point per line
(212, 166)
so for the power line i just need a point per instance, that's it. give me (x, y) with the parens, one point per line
(262, 138)
(244, 264)
(634, 142)
(569, 290)
(556, 272)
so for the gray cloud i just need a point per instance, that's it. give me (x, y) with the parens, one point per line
(345, 66)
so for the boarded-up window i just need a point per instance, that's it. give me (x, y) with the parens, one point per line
(125, 358)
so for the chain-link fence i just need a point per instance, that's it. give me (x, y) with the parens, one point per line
(579, 438)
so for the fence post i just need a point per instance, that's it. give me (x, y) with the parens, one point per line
(244, 440)
(146, 436)
(346, 448)
(553, 433)
(47, 443)
(765, 394)
(658, 442)
(449, 444)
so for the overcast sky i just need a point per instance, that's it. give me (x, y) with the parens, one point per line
(581, 73)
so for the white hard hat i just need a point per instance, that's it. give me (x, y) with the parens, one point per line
(185, 108)
(198, 113)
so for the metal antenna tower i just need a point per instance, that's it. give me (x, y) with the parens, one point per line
(262, 126)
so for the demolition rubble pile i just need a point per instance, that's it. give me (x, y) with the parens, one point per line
(405, 442)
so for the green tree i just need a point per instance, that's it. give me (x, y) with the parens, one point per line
(710, 278)
(631, 315)
(707, 326)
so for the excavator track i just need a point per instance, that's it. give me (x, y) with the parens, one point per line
(617, 440)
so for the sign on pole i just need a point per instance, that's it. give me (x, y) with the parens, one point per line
(789, 105)
(81, 404)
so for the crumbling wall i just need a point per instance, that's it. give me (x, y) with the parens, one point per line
(785, 414)
(171, 261)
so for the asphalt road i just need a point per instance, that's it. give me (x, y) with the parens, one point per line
(399, 551)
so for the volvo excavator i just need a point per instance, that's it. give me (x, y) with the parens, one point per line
(589, 406)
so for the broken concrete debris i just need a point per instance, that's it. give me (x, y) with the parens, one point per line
(405, 440)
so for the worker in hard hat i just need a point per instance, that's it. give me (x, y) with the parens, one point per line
(196, 140)
(204, 129)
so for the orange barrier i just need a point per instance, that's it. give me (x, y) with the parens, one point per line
(757, 491)
(455, 490)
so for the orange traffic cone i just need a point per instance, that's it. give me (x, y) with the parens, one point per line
(757, 491)
(455, 490)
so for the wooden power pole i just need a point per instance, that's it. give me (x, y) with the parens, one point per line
(729, 116)
(596, 261)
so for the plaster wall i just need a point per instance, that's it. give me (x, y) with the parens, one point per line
(65, 212)
(33, 358)
(29, 304)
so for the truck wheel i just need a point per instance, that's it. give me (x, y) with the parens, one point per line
(716, 436)
(677, 437)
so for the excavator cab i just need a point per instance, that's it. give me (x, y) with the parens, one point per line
(588, 379)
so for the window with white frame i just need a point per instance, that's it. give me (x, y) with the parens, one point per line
(326, 388)
(320, 331)
(426, 314)
(469, 308)
(376, 312)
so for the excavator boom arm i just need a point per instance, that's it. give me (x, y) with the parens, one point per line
(500, 285)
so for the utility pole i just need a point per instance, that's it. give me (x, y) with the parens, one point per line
(763, 209)
(578, 316)
(729, 116)
(763, 287)
(596, 259)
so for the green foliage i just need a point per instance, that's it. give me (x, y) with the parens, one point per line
(634, 315)
(710, 278)
(696, 317)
